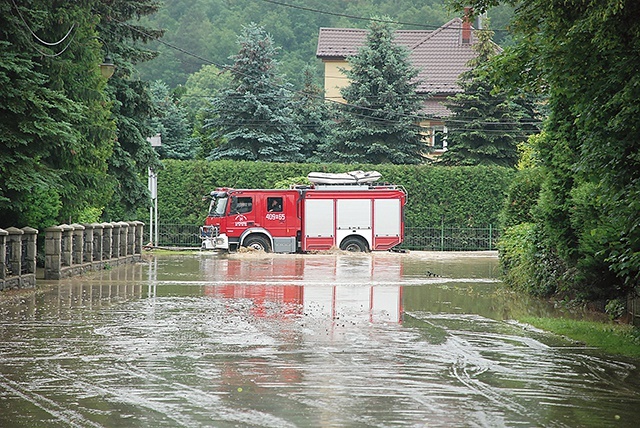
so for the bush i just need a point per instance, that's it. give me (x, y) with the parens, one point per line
(522, 197)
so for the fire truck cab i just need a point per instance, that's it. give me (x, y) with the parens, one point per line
(352, 217)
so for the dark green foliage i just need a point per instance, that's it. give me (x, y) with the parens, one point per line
(55, 131)
(196, 98)
(486, 124)
(132, 106)
(528, 265)
(72, 143)
(379, 122)
(170, 122)
(207, 28)
(456, 196)
(584, 57)
(523, 195)
(253, 117)
(313, 117)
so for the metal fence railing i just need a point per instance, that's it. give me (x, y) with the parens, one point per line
(176, 235)
(450, 238)
(443, 238)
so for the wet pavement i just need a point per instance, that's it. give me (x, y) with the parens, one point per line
(334, 340)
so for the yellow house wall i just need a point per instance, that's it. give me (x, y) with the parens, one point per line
(334, 79)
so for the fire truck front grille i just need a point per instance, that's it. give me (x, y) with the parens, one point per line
(207, 232)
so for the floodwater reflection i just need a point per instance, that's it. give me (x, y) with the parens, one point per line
(420, 339)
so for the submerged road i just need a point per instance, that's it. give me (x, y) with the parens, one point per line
(335, 340)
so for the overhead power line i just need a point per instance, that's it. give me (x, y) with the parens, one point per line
(35, 36)
(361, 18)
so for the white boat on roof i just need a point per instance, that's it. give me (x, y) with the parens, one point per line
(352, 177)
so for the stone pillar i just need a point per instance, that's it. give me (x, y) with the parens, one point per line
(53, 252)
(30, 240)
(15, 251)
(3, 256)
(78, 244)
(98, 230)
(88, 243)
(115, 243)
(107, 237)
(67, 244)
(131, 238)
(124, 234)
(139, 244)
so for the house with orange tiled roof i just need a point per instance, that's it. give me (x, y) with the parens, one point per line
(440, 55)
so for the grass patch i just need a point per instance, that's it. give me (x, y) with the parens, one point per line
(620, 339)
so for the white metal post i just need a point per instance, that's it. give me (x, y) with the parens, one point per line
(155, 141)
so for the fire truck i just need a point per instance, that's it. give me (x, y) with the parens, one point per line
(356, 215)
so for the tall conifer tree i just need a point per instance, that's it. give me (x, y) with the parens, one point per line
(378, 124)
(485, 127)
(254, 116)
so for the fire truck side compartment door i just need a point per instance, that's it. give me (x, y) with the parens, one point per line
(318, 219)
(387, 221)
(354, 214)
(354, 219)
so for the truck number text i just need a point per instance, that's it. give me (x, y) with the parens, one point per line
(274, 216)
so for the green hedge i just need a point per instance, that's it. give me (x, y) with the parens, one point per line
(455, 196)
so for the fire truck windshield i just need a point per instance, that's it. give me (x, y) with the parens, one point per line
(218, 206)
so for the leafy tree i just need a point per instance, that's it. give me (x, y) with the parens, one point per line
(584, 55)
(485, 125)
(378, 123)
(171, 123)
(254, 117)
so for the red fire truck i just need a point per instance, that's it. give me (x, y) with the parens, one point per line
(351, 216)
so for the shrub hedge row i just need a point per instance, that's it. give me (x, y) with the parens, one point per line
(453, 196)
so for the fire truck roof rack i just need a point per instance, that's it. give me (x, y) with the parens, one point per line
(352, 186)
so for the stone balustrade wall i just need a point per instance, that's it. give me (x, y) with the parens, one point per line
(78, 248)
(17, 257)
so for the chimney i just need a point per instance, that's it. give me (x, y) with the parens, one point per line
(466, 26)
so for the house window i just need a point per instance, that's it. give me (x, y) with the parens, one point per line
(439, 137)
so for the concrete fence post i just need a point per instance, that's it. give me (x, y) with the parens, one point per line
(107, 237)
(115, 241)
(67, 244)
(131, 238)
(31, 241)
(3, 256)
(98, 230)
(124, 234)
(15, 248)
(139, 237)
(53, 252)
(78, 244)
(88, 243)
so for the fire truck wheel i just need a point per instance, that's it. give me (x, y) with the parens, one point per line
(257, 243)
(354, 244)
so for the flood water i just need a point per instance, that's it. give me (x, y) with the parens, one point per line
(335, 340)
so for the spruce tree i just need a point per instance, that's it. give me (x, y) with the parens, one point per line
(170, 121)
(132, 106)
(254, 116)
(378, 123)
(313, 116)
(485, 127)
